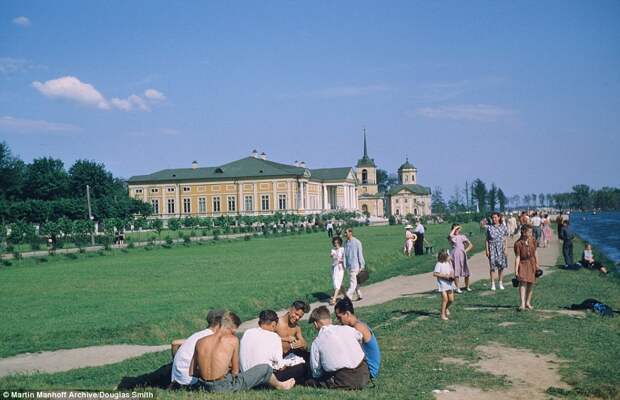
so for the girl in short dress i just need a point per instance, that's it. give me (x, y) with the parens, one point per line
(337, 254)
(526, 265)
(445, 282)
(460, 247)
(546, 230)
(410, 239)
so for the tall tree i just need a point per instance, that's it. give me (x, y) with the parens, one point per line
(46, 179)
(382, 180)
(541, 199)
(480, 194)
(85, 172)
(492, 197)
(534, 198)
(438, 203)
(526, 199)
(582, 196)
(502, 200)
(12, 171)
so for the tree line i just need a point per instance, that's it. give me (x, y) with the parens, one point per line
(582, 197)
(474, 196)
(43, 191)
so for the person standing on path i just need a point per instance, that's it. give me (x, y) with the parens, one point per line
(354, 260)
(567, 236)
(419, 242)
(445, 282)
(526, 265)
(459, 256)
(497, 249)
(536, 223)
(512, 225)
(410, 240)
(546, 230)
(330, 229)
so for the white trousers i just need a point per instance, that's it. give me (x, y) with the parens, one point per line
(337, 275)
(353, 288)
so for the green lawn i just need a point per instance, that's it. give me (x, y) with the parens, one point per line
(412, 346)
(153, 296)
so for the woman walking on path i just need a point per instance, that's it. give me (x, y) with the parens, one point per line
(512, 225)
(459, 256)
(497, 250)
(546, 230)
(337, 254)
(419, 242)
(526, 265)
(410, 239)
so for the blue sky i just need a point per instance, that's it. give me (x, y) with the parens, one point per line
(524, 94)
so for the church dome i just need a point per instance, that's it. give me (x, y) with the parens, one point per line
(406, 165)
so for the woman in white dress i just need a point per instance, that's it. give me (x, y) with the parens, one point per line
(337, 254)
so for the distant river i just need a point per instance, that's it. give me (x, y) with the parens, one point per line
(601, 229)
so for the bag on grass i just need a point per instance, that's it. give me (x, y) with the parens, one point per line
(515, 282)
(603, 310)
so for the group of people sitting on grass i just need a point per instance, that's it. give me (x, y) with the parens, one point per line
(274, 354)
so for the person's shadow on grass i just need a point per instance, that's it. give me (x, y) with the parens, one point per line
(321, 297)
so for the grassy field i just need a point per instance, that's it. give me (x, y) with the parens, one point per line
(151, 297)
(414, 340)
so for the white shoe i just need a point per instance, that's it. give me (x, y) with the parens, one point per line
(501, 286)
(493, 287)
(468, 289)
(459, 291)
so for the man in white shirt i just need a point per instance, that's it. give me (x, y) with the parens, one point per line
(536, 221)
(262, 345)
(419, 243)
(337, 360)
(176, 373)
(180, 376)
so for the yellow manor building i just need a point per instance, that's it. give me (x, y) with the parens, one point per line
(257, 186)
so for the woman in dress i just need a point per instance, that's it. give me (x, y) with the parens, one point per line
(337, 254)
(546, 230)
(460, 247)
(526, 265)
(497, 249)
(419, 241)
(410, 239)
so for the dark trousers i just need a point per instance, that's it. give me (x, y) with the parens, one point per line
(160, 378)
(567, 252)
(345, 378)
(330, 232)
(419, 244)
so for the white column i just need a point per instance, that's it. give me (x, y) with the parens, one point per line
(325, 203)
(307, 198)
(346, 197)
(302, 197)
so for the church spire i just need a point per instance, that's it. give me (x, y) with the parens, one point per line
(365, 161)
(365, 148)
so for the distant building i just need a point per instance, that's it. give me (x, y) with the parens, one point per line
(408, 197)
(256, 186)
(249, 186)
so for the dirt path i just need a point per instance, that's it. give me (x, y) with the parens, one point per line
(377, 293)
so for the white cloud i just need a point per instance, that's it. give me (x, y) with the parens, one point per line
(473, 112)
(17, 125)
(10, 65)
(71, 88)
(22, 21)
(351, 91)
(153, 94)
(130, 103)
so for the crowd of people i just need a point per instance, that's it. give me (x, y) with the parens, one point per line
(347, 355)
(274, 354)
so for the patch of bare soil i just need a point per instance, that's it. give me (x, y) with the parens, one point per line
(530, 375)
(506, 324)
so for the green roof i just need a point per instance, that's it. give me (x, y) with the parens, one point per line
(380, 195)
(249, 167)
(365, 162)
(415, 189)
(331, 174)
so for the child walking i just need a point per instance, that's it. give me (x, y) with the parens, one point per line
(444, 272)
(337, 254)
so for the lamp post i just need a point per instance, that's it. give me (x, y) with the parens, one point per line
(90, 215)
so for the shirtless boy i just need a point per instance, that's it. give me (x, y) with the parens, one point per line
(289, 330)
(216, 363)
